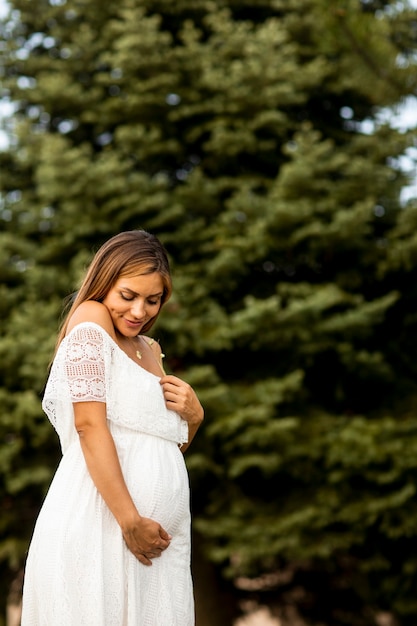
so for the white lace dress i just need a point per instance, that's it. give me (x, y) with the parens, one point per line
(79, 571)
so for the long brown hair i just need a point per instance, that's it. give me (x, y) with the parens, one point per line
(129, 253)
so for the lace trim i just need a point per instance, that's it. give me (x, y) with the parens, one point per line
(85, 365)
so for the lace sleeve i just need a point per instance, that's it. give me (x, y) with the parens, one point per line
(85, 364)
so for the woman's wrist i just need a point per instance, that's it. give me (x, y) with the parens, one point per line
(197, 419)
(128, 521)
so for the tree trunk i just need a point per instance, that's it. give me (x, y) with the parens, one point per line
(216, 604)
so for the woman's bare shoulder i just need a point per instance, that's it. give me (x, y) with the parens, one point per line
(92, 311)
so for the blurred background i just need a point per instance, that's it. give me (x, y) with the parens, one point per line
(271, 145)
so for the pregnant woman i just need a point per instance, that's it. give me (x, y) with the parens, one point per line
(111, 546)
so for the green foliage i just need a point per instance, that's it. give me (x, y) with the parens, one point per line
(236, 132)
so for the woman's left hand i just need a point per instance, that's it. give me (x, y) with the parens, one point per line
(181, 397)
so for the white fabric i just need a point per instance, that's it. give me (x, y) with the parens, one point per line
(79, 571)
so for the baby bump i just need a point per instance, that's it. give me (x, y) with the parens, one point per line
(156, 477)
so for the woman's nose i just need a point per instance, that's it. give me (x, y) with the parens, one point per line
(138, 309)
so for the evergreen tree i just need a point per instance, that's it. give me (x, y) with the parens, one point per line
(238, 133)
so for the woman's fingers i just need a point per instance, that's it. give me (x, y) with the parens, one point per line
(144, 559)
(180, 397)
(165, 536)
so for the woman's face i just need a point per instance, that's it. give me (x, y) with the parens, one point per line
(133, 301)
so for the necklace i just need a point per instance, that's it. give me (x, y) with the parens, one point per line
(149, 342)
(134, 349)
(139, 352)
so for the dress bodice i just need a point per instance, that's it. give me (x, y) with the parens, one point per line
(90, 367)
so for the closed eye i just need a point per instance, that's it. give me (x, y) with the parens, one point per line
(129, 298)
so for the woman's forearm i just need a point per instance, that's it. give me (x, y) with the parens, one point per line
(103, 462)
(193, 426)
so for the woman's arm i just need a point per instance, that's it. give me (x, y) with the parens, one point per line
(181, 397)
(144, 537)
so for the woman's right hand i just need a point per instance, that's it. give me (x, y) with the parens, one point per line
(146, 539)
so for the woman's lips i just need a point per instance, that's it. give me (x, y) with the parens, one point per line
(133, 324)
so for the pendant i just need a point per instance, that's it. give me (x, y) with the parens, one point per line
(139, 354)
